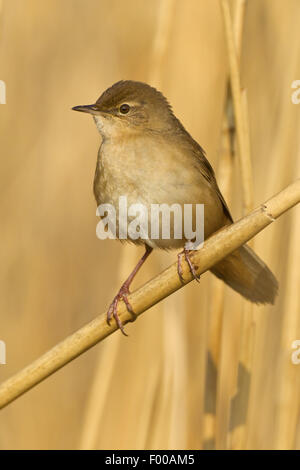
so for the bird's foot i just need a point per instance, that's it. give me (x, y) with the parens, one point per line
(185, 253)
(113, 309)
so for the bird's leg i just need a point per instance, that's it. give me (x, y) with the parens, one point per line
(124, 291)
(185, 252)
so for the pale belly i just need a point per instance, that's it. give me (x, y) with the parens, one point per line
(137, 175)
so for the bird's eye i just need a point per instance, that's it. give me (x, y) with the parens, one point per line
(124, 108)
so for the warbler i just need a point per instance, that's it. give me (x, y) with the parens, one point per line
(148, 156)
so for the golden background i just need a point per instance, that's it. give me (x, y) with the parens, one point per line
(159, 388)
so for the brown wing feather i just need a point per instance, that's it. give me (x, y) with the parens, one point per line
(204, 166)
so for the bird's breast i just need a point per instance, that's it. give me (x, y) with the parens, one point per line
(150, 171)
(135, 168)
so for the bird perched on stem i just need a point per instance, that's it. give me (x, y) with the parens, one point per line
(147, 155)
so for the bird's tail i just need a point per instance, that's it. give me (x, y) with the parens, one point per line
(247, 274)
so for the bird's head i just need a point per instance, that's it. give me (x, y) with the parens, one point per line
(130, 106)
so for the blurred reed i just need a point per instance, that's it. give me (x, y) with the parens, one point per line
(247, 332)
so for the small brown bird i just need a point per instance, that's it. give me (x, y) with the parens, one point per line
(147, 155)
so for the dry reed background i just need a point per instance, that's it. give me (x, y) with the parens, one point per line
(147, 391)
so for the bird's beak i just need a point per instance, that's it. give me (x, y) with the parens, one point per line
(87, 108)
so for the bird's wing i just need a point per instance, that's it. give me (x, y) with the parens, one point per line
(208, 173)
(203, 164)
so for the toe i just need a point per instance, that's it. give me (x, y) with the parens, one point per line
(179, 267)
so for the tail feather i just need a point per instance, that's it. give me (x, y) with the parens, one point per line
(247, 274)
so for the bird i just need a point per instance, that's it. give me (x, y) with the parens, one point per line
(148, 156)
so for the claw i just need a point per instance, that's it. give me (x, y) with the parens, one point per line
(179, 266)
(185, 252)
